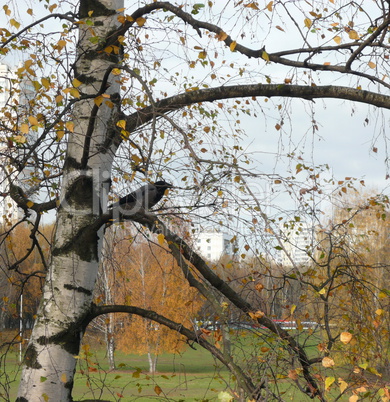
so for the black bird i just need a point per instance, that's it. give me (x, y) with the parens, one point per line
(145, 197)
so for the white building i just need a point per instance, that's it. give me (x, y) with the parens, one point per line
(12, 93)
(213, 244)
(298, 244)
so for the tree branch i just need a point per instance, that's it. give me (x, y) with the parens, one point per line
(193, 336)
(176, 102)
(175, 243)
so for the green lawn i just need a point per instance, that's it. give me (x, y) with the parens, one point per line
(190, 376)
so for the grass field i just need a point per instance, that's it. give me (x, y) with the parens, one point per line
(190, 376)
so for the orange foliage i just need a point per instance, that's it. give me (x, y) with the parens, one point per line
(150, 278)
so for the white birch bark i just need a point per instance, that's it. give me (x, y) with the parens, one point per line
(49, 364)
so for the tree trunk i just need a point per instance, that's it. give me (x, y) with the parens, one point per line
(152, 362)
(49, 363)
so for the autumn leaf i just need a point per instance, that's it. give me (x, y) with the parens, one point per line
(337, 39)
(371, 64)
(269, 6)
(233, 46)
(45, 82)
(327, 362)
(14, 23)
(121, 123)
(221, 36)
(307, 22)
(255, 315)
(69, 126)
(292, 374)
(345, 337)
(33, 120)
(259, 286)
(293, 308)
(157, 390)
(140, 21)
(161, 239)
(353, 34)
(343, 385)
(253, 5)
(328, 382)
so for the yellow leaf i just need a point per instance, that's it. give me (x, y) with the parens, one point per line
(98, 100)
(221, 36)
(371, 64)
(322, 291)
(161, 239)
(307, 22)
(74, 92)
(59, 99)
(76, 83)
(327, 362)
(343, 385)
(233, 45)
(7, 10)
(337, 39)
(269, 6)
(353, 34)
(29, 204)
(140, 21)
(20, 139)
(63, 378)
(45, 83)
(33, 120)
(60, 134)
(157, 390)
(121, 124)
(30, 11)
(265, 56)
(379, 311)
(14, 23)
(328, 382)
(24, 128)
(293, 307)
(70, 126)
(345, 337)
(61, 44)
(353, 398)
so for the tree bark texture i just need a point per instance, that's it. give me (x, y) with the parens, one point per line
(49, 364)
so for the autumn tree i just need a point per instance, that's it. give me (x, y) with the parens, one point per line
(148, 277)
(126, 93)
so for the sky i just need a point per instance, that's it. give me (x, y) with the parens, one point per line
(344, 141)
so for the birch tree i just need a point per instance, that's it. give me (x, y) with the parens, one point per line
(109, 104)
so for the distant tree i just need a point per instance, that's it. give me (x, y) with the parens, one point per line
(149, 277)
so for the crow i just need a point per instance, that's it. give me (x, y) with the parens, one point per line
(145, 197)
